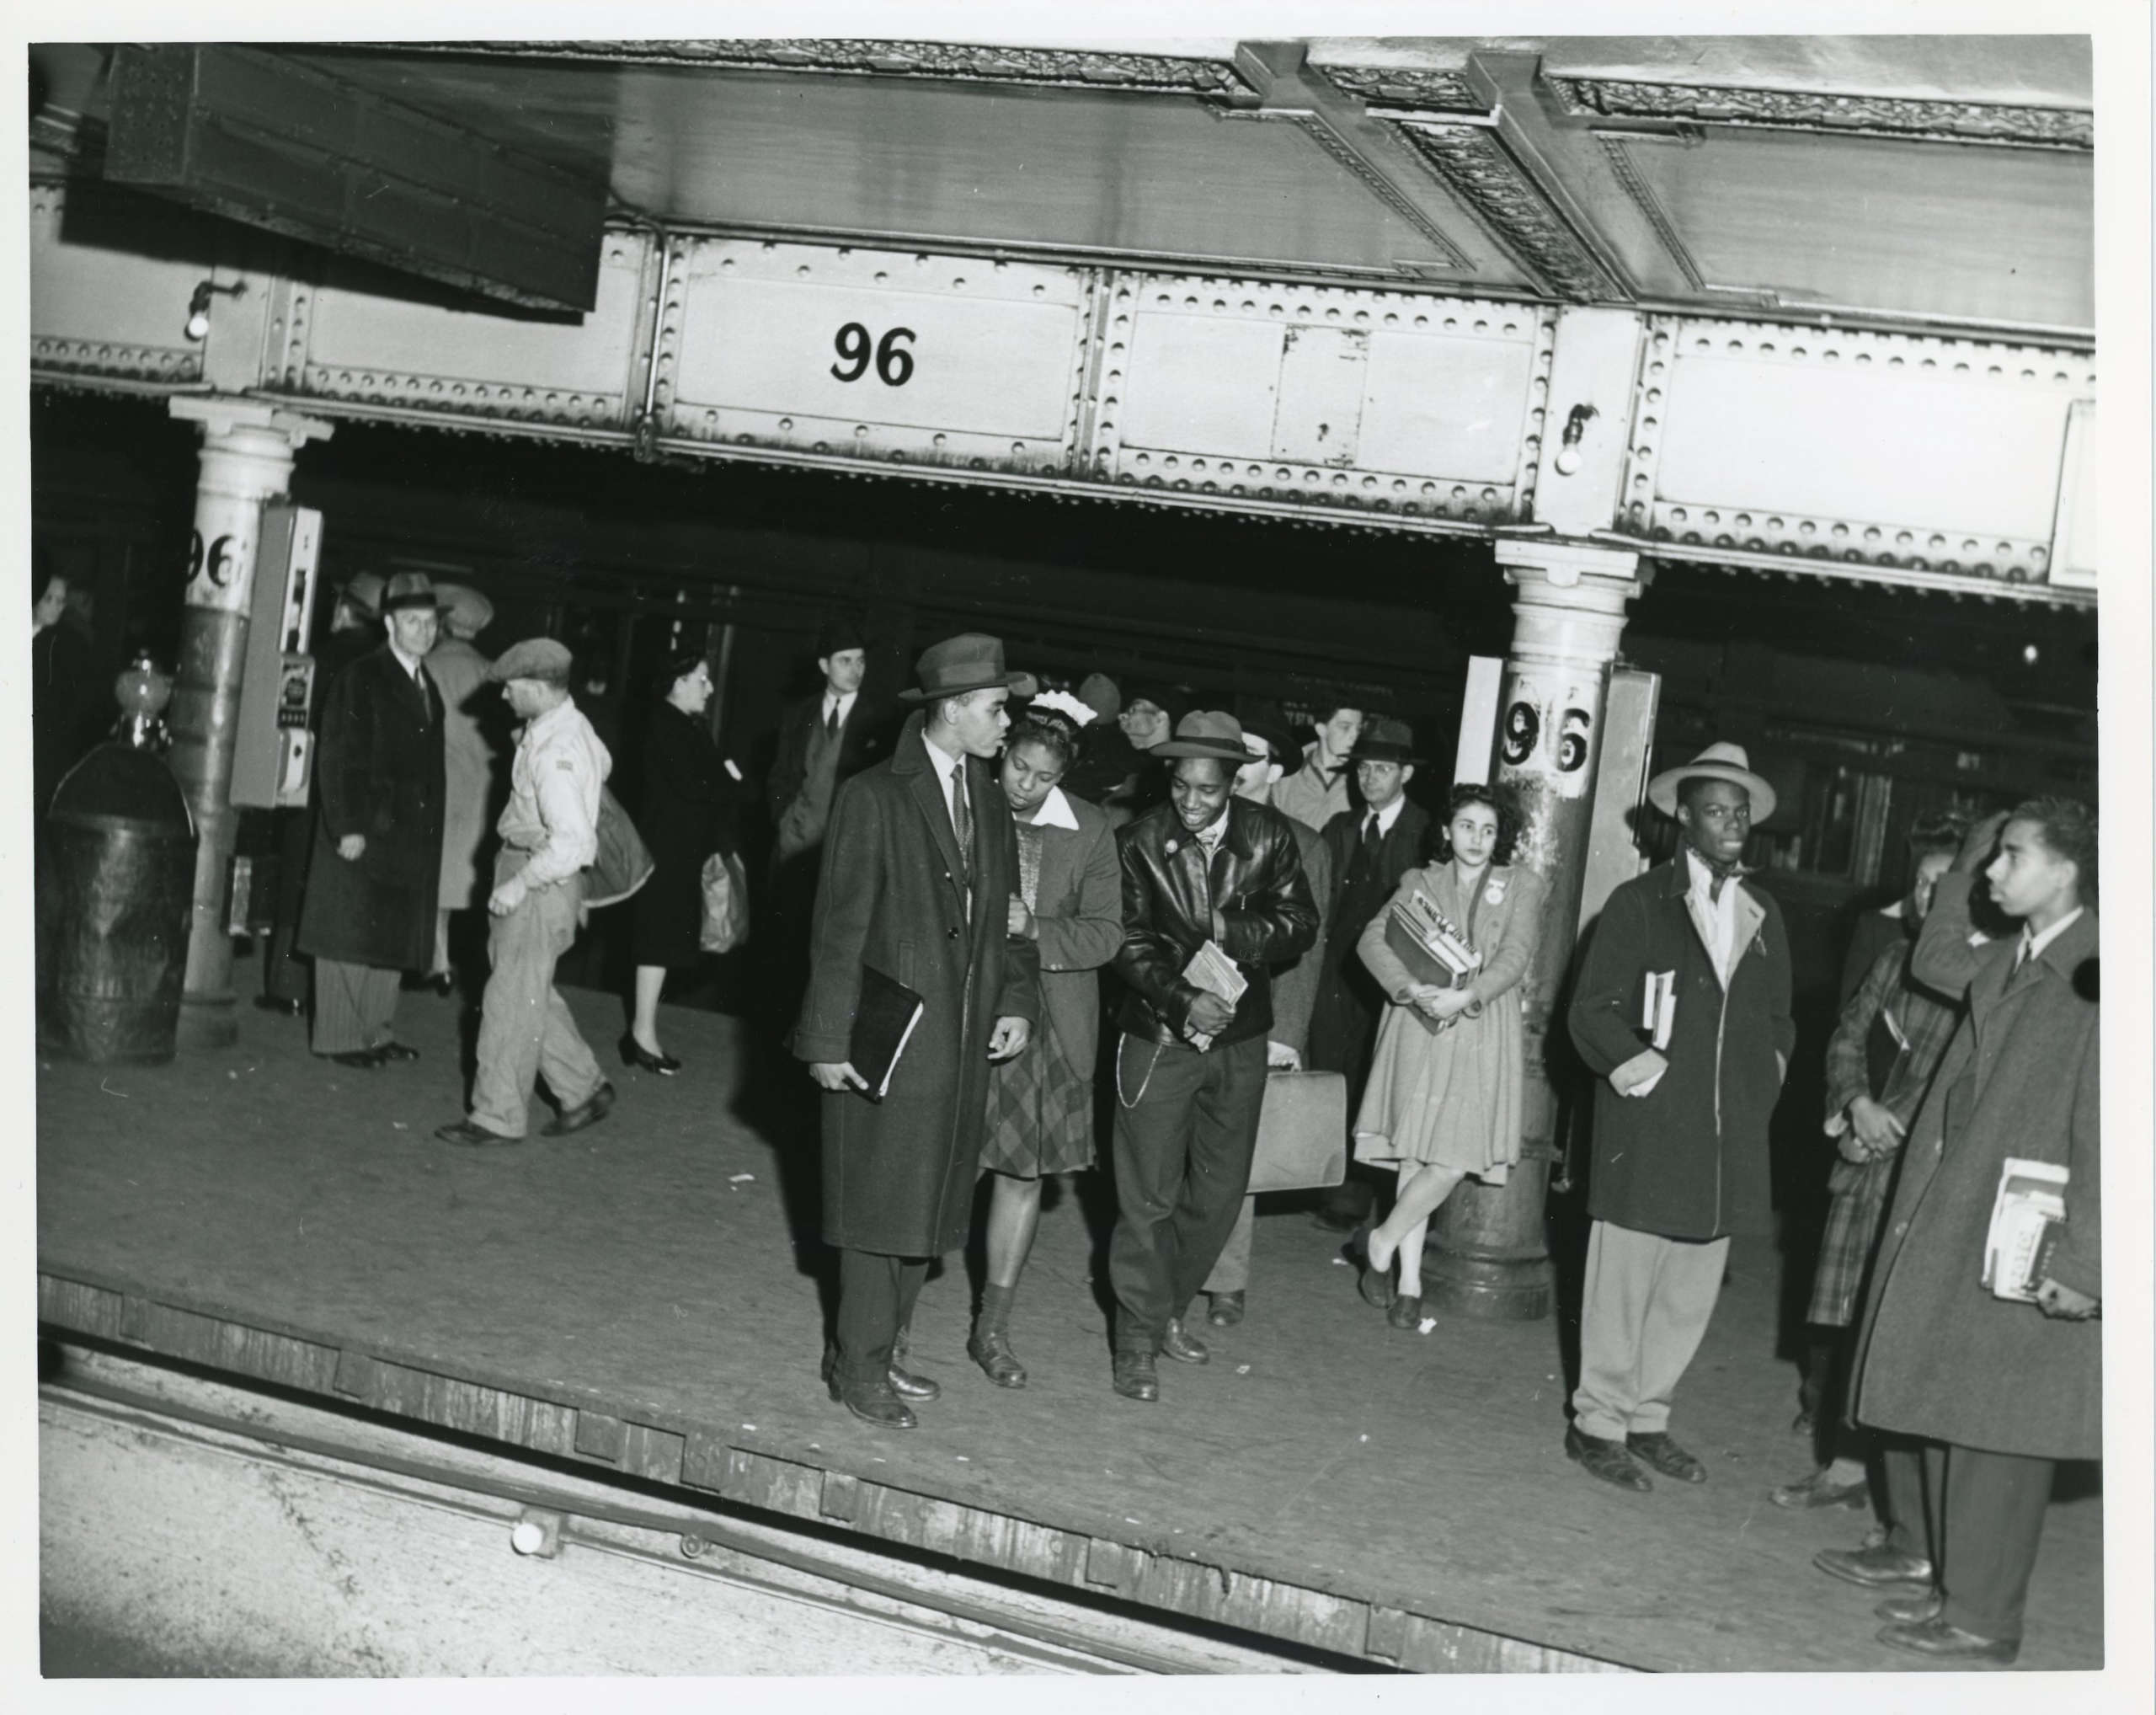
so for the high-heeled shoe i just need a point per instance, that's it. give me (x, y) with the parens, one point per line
(635, 1054)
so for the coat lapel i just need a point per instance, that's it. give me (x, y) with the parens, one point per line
(927, 789)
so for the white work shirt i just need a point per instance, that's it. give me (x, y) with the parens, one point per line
(1716, 918)
(554, 779)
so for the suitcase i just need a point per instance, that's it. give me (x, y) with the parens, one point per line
(1302, 1132)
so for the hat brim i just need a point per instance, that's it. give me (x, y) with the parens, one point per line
(412, 604)
(1176, 749)
(1384, 753)
(1662, 790)
(1018, 684)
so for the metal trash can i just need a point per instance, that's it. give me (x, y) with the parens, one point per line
(121, 845)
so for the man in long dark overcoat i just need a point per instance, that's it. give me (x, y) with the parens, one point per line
(368, 915)
(1683, 1013)
(920, 862)
(1995, 1390)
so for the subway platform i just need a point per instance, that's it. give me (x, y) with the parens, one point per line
(640, 1299)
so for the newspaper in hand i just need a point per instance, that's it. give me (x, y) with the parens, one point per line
(1212, 970)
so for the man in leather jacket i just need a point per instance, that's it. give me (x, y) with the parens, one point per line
(1190, 1066)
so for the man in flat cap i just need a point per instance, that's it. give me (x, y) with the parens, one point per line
(920, 863)
(1682, 1010)
(1205, 870)
(549, 832)
(369, 913)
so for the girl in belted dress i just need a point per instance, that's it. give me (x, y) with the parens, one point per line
(1040, 1104)
(1444, 1097)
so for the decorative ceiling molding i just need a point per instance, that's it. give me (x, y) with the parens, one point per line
(1314, 127)
(972, 62)
(1618, 148)
(1417, 86)
(1468, 161)
(1814, 110)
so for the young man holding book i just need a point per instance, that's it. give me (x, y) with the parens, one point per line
(918, 864)
(1995, 1379)
(1213, 893)
(1682, 1010)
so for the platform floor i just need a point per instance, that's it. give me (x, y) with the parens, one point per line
(635, 1296)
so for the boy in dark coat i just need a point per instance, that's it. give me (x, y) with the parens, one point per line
(1688, 1085)
(918, 863)
(1995, 1390)
(369, 914)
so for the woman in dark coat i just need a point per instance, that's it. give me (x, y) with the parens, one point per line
(1068, 903)
(687, 813)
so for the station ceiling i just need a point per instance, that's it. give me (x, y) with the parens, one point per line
(1933, 181)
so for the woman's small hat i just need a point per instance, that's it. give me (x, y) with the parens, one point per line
(1718, 761)
(971, 662)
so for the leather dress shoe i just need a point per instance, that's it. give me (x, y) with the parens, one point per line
(1876, 1568)
(359, 1059)
(1136, 1376)
(1405, 1311)
(591, 1111)
(1666, 1456)
(1911, 1611)
(1224, 1309)
(1600, 1457)
(388, 1051)
(907, 1386)
(1818, 1489)
(635, 1054)
(474, 1135)
(1183, 1348)
(278, 1003)
(874, 1402)
(1941, 1642)
(991, 1348)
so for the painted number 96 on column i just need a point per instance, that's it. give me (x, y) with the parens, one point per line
(855, 345)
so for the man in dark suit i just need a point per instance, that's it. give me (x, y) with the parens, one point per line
(1370, 849)
(369, 914)
(918, 870)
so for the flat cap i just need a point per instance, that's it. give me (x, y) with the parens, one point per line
(535, 658)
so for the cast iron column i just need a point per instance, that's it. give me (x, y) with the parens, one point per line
(246, 458)
(1486, 1255)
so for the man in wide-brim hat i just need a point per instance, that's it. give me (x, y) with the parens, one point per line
(920, 861)
(369, 912)
(1206, 868)
(1682, 1010)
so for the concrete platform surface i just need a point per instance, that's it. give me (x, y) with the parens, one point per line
(635, 1296)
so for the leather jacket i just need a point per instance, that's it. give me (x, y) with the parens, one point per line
(1255, 878)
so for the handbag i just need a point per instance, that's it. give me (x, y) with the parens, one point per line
(1302, 1132)
(726, 903)
(622, 863)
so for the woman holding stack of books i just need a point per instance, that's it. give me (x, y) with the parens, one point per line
(1443, 1100)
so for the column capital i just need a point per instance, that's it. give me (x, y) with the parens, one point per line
(222, 415)
(1562, 562)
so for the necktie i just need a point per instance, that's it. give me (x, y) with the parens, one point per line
(962, 818)
(831, 721)
(1371, 835)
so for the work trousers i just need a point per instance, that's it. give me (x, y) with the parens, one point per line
(524, 1026)
(284, 972)
(875, 1300)
(1978, 1518)
(354, 1006)
(1645, 1308)
(1186, 1126)
(1231, 1274)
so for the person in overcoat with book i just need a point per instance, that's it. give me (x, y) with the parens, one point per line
(1682, 1011)
(920, 862)
(1448, 1083)
(1993, 1390)
(380, 788)
(1040, 1104)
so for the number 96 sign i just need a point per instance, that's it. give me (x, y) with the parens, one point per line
(1548, 730)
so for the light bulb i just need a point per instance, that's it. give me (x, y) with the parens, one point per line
(1567, 461)
(198, 326)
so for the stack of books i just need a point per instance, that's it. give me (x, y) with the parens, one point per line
(1430, 945)
(2025, 1219)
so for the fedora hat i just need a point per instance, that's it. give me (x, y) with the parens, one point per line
(1273, 733)
(1384, 739)
(407, 590)
(363, 589)
(1718, 761)
(1207, 732)
(970, 661)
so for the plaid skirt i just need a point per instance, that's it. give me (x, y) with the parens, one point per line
(1040, 1113)
(1855, 1216)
